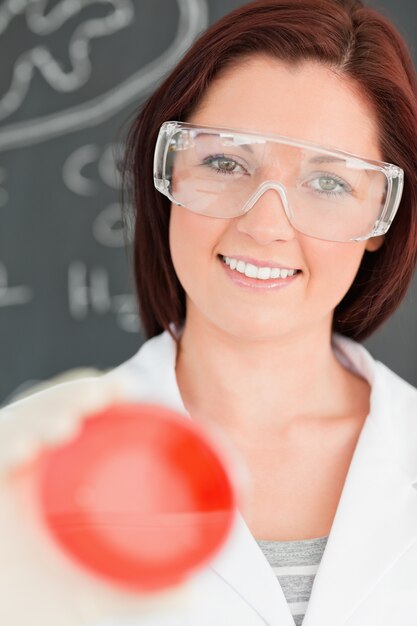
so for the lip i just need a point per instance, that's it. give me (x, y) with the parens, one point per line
(254, 284)
(258, 263)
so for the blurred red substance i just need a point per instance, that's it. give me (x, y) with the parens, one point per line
(139, 497)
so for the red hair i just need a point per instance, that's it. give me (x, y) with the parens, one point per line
(354, 40)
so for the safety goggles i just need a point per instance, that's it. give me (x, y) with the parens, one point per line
(327, 194)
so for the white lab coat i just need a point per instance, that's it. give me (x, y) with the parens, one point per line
(368, 573)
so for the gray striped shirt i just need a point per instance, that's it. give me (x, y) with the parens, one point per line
(295, 564)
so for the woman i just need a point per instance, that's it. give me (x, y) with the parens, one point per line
(281, 239)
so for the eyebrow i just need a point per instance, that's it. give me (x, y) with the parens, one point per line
(246, 147)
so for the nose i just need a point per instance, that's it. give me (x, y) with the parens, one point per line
(265, 218)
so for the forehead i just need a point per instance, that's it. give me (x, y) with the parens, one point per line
(309, 101)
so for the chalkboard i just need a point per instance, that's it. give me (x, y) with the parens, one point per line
(72, 72)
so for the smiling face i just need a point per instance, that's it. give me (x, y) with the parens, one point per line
(309, 103)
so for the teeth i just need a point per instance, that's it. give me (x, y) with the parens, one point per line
(264, 273)
(252, 271)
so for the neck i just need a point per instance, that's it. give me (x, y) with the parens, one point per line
(253, 388)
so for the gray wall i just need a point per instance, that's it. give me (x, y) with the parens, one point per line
(68, 81)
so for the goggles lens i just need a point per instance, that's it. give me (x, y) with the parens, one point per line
(325, 194)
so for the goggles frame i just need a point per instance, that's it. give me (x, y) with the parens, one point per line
(393, 173)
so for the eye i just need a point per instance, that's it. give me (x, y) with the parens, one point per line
(222, 164)
(329, 184)
(227, 165)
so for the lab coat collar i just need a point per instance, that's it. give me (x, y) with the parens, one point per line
(376, 519)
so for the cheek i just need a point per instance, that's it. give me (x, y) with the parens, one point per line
(191, 242)
(334, 267)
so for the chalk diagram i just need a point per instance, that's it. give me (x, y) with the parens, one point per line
(12, 296)
(193, 18)
(88, 290)
(91, 290)
(107, 228)
(40, 57)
